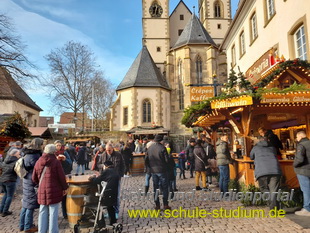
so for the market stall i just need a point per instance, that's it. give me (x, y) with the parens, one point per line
(280, 102)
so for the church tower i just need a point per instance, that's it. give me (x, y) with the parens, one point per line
(215, 15)
(155, 25)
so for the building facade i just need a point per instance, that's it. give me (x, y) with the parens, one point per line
(267, 28)
(14, 99)
(179, 52)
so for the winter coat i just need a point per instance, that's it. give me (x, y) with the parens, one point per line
(67, 164)
(81, 156)
(274, 141)
(222, 153)
(8, 173)
(302, 158)
(202, 161)
(171, 168)
(209, 149)
(30, 200)
(109, 175)
(265, 160)
(127, 155)
(116, 158)
(53, 184)
(72, 153)
(96, 160)
(189, 151)
(157, 158)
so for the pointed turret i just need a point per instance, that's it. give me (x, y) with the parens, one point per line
(194, 33)
(143, 73)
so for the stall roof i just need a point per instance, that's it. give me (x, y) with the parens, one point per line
(43, 132)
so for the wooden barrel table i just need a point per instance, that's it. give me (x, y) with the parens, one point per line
(79, 186)
(137, 166)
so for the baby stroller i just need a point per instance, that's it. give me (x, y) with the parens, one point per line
(95, 213)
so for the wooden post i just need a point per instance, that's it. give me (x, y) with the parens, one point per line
(245, 122)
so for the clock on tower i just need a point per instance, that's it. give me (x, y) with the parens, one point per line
(155, 10)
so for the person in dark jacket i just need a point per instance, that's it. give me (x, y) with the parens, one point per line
(223, 159)
(267, 169)
(302, 169)
(182, 161)
(109, 175)
(118, 162)
(51, 190)
(144, 143)
(81, 159)
(8, 180)
(157, 160)
(30, 201)
(271, 138)
(201, 162)
(189, 151)
(72, 152)
(66, 164)
(127, 155)
(211, 154)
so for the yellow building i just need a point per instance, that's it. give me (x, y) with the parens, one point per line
(177, 50)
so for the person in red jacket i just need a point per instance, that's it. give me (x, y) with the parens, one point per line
(52, 188)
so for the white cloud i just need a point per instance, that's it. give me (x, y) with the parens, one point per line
(41, 35)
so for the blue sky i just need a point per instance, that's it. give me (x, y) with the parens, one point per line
(112, 29)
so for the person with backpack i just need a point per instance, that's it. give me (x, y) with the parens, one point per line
(8, 180)
(29, 200)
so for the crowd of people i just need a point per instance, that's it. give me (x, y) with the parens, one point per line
(45, 186)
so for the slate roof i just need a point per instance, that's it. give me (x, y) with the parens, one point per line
(143, 73)
(194, 33)
(10, 90)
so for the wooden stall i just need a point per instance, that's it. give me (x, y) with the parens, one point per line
(283, 106)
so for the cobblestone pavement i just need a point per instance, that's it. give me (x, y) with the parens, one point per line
(166, 225)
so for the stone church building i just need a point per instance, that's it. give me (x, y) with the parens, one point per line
(178, 50)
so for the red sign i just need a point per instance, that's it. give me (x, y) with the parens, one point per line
(253, 74)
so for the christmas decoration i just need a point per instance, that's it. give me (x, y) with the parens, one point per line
(15, 127)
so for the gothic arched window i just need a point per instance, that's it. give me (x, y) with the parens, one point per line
(147, 111)
(217, 9)
(199, 70)
(180, 85)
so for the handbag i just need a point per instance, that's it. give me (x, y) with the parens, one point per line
(41, 178)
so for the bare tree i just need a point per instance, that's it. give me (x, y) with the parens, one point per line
(12, 51)
(72, 70)
(103, 97)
